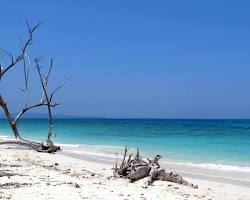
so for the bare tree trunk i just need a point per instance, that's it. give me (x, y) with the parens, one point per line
(8, 116)
(48, 145)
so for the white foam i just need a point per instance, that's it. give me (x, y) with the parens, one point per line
(89, 146)
(214, 166)
(68, 145)
(109, 152)
(93, 150)
(93, 153)
(4, 136)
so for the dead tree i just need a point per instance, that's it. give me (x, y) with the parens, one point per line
(46, 97)
(138, 168)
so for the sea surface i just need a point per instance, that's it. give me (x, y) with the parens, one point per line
(221, 144)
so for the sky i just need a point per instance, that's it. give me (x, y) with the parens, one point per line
(135, 59)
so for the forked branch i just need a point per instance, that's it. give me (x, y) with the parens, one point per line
(15, 60)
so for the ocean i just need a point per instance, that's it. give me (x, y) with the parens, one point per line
(207, 143)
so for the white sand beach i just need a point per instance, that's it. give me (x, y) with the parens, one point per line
(125, 100)
(58, 176)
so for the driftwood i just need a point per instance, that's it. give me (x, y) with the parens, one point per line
(46, 147)
(2, 174)
(46, 97)
(138, 168)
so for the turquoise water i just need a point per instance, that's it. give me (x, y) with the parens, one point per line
(225, 142)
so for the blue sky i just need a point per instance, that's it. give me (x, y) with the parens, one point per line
(152, 59)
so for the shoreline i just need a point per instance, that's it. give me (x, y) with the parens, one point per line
(61, 176)
(110, 151)
(96, 154)
(213, 144)
(222, 176)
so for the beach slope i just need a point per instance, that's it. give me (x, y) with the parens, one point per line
(45, 176)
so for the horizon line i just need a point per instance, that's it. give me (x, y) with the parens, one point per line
(127, 118)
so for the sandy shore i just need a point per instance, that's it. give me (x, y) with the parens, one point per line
(58, 176)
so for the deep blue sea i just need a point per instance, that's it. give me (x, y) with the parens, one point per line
(208, 142)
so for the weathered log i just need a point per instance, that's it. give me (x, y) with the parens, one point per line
(2, 174)
(153, 173)
(46, 147)
(165, 175)
(137, 168)
(138, 172)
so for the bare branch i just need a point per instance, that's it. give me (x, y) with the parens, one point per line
(46, 78)
(20, 57)
(22, 90)
(8, 54)
(59, 87)
(38, 66)
(31, 107)
(50, 68)
(26, 79)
